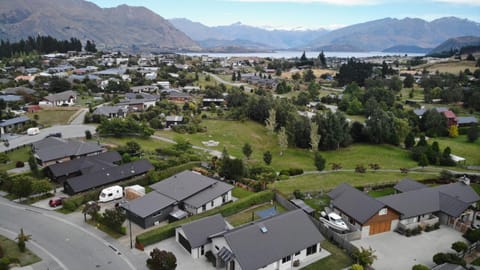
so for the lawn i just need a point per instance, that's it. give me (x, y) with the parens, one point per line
(336, 261)
(11, 250)
(239, 193)
(381, 192)
(227, 133)
(247, 215)
(53, 117)
(318, 203)
(21, 154)
(328, 181)
(461, 147)
(148, 144)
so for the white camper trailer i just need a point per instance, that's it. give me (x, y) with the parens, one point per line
(33, 131)
(110, 194)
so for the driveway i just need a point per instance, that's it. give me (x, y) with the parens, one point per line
(395, 251)
(184, 259)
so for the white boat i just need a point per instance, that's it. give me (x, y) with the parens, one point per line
(334, 221)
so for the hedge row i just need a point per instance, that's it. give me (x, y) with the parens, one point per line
(162, 233)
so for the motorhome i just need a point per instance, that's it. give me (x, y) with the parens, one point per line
(110, 194)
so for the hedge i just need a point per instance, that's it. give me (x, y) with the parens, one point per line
(162, 233)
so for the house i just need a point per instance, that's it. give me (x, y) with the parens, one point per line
(363, 212)
(207, 102)
(451, 118)
(9, 125)
(18, 91)
(106, 176)
(173, 120)
(176, 96)
(188, 192)
(276, 242)
(467, 121)
(111, 111)
(194, 237)
(59, 172)
(66, 98)
(144, 88)
(53, 150)
(141, 96)
(137, 104)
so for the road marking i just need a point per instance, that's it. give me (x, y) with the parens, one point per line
(39, 247)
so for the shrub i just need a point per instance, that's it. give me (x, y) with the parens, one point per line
(1, 252)
(356, 267)
(472, 235)
(19, 164)
(4, 158)
(296, 263)
(420, 267)
(441, 258)
(4, 262)
(298, 194)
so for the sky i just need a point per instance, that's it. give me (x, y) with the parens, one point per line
(302, 14)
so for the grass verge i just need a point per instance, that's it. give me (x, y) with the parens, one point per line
(336, 261)
(11, 251)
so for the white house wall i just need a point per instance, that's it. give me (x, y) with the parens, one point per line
(216, 203)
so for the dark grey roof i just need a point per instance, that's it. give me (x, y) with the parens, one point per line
(176, 94)
(65, 95)
(135, 101)
(13, 121)
(183, 185)
(109, 176)
(148, 204)
(143, 95)
(448, 266)
(53, 148)
(18, 90)
(198, 231)
(214, 191)
(107, 110)
(355, 203)
(284, 235)
(87, 164)
(451, 199)
(408, 184)
(301, 204)
(467, 120)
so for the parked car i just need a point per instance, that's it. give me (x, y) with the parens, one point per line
(56, 202)
(57, 134)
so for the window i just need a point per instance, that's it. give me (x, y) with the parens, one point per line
(383, 212)
(204, 207)
(297, 253)
(212, 203)
(217, 248)
(157, 214)
(286, 259)
(202, 250)
(312, 250)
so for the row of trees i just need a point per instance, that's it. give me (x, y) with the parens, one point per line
(40, 44)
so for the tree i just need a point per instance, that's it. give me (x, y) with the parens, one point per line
(247, 150)
(282, 140)
(460, 247)
(271, 122)
(22, 239)
(41, 186)
(234, 76)
(267, 157)
(22, 186)
(308, 75)
(364, 257)
(88, 134)
(114, 218)
(360, 168)
(409, 140)
(32, 162)
(57, 85)
(453, 131)
(322, 59)
(472, 133)
(314, 136)
(90, 46)
(381, 127)
(409, 80)
(334, 130)
(446, 159)
(319, 161)
(423, 161)
(91, 208)
(162, 260)
(356, 267)
(420, 267)
(336, 166)
(303, 58)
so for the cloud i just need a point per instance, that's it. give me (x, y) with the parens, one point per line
(460, 2)
(332, 2)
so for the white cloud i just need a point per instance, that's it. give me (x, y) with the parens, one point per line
(462, 2)
(332, 2)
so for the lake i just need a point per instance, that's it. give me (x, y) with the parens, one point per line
(309, 54)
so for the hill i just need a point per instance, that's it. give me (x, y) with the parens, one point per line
(382, 34)
(456, 44)
(119, 27)
(279, 39)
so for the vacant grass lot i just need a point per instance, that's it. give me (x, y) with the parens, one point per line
(21, 154)
(451, 67)
(148, 144)
(336, 261)
(328, 181)
(461, 147)
(11, 250)
(53, 117)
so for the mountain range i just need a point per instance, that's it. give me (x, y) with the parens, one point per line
(138, 28)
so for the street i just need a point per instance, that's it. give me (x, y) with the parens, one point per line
(65, 241)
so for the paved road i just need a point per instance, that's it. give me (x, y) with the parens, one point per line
(78, 117)
(68, 131)
(64, 243)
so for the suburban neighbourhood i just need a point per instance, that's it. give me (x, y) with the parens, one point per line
(237, 156)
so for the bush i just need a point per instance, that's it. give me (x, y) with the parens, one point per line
(4, 158)
(296, 263)
(1, 252)
(19, 164)
(441, 258)
(356, 267)
(420, 267)
(472, 235)
(4, 262)
(295, 171)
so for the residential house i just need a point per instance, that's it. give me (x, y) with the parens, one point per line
(176, 96)
(59, 172)
(363, 212)
(18, 91)
(9, 125)
(137, 104)
(467, 121)
(66, 98)
(173, 120)
(276, 242)
(53, 150)
(451, 118)
(106, 176)
(207, 102)
(142, 96)
(187, 192)
(144, 89)
(111, 111)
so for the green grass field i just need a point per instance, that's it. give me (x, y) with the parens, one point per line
(381, 192)
(461, 147)
(239, 193)
(336, 261)
(21, 154)
(52, 117)
(148, 144)
(450, 67)
(11, 250)
(328, 181)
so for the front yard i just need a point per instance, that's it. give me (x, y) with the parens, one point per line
(336, 261)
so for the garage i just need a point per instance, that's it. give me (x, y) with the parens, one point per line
(379, 227)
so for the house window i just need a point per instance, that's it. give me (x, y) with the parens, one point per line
(297, 253)
(212, 203)
(351, 221)
(217, 248)
(204, 207)
(286, 259)
(312, 250)
(224, 198)
(157, 214)
(202, 250)
(383, 212)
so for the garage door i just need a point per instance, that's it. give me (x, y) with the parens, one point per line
(379, 227)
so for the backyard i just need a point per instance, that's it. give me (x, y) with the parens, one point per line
(20, 154)
(249, 214)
